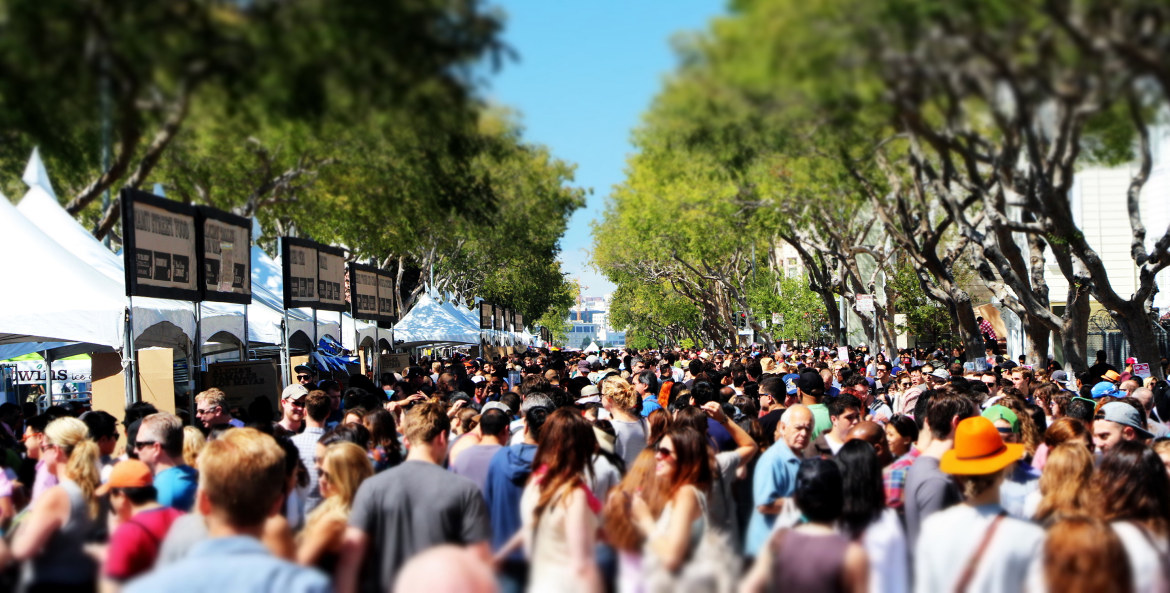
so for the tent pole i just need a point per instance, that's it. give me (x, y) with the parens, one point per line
(48, 378)
(128, 357)
(245, 332)
(284, 364)
(196, 369)
(315, 337)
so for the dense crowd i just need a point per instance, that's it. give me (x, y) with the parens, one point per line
(674, 470)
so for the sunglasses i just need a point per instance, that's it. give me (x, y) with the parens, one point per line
(300, 403)
(303, 377)
(663, 451)
(139, 445)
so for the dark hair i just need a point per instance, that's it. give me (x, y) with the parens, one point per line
(494, 422)
(37, 423)
(512, 400)
(292, 461)
(693, 417)
(350, 433)
(567, 453)
(864, 494)
(845, 401)
(328, 385)
(260, 410)
(100, 424)
(692, 460)
(944, 407)
(819, 490)
(140, 495)
(775, 387)
(534, 421)
(1131, 484)
(703, 392)
(317, 405)
(1082, 409)
(138, 411)
(384, 433)
(905, 426)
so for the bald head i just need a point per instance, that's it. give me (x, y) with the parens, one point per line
(796, 427)
(870, 432)
(445, 569)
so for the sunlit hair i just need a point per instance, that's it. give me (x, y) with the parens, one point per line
(619, 529)
(212, 397)
(1083, 555)
(243, 475)
(620, 392)
(1065, 429)
(80, 455)
(347, 466)
(692, 460)
(193, 442)
(1131, 485)
(1064, 484)
(564, 455)
(425, 422)
(1030, 435)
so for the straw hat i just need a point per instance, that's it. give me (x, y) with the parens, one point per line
(979, 449)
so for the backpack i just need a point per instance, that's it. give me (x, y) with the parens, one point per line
(712, 567)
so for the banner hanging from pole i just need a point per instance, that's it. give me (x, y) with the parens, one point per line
(313, 275)
(160, 247)
(225, 256)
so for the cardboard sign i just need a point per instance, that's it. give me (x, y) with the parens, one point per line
(245, 381)
(160, 247)
(225, 259)
(1141, 369)
(865, 303)
(843, 353)
(363, 290)
(395, 363)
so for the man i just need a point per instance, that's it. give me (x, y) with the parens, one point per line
(212, 411)
(810, 388)
(306, 376)
(292, 408)
(143, 523)
(773, 392)
(508, 473)
(1129, 386)
(1096, 373)
(1024, 380)
(873, 433)
(1145, 396)
(844, 414)
(103, 429)
(774, 478)
(644, 386)
(473, 462)
(882, 375)
(928, 489)
(1116, 422)
(241, 485)
(317, 408)
(160, 447)
(894, 475)
(409, 508)
(332, 390)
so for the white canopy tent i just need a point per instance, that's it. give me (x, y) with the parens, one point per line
(430, 321)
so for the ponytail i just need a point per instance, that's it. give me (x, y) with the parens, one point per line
(82, 468)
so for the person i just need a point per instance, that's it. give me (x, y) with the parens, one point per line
(774, 478)
(142, 523)
(393, 513)
(1097, 372)
(51, 539)
(901, 434)
(1082, 555)
(1021, 479)
(240, 485)
(773, 392)
(812, 557)
(103, 430)
(41, 477)
(306, 376)
(865, 518)
(317, 409)
(620, 532)
(292, 406)
(508, 473)
(645, 385)
(343, 469)
(1023, 380)
(723, 512)
(474, 462)
(1064, 484)
(684, 474)
(620, 400)
(810, 388)
(1115, 422)
(1130, 491)
(559, 511)
(975, 546)
(212, 411)
(844, 414)
(385, 450)
(193, 442)
(872, 433)
(928, 489)
(445, 569)
(160, 446)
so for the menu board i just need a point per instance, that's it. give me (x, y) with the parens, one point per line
(226, 257)
(160, 247)
(386, 297)
(485, 315)
(314, 275)
(363, 287)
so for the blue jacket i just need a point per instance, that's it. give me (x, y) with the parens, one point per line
(507, 474)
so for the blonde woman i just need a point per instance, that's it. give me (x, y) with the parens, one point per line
(193, 441)
(621, 401)
(343, 468)
(51, 540)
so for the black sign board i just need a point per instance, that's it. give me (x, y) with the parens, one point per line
(160, 246)
(498, 318)
(518, 321)
(363, 291)
(386, 297)
(485, 315)
(313, 275)
(225, 260)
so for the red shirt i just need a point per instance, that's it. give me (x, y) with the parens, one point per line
(134, 545)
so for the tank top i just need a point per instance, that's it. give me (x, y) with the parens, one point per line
(808, 563)
(63, 560)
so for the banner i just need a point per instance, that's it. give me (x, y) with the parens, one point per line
(518, 321)
(330, 279)
(363, 289)
(226, 256)
(32, 372)
(159, 247)
(485, 315)
(865, 303)
(1141, 369)
(313, 275)
(498, 318)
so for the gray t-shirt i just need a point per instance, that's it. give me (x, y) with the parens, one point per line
(184, 533)
(410, 508)
(928, 490)
(631, 439)
(473, 462)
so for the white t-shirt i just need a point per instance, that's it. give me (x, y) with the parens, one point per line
(884, 542)
(1144, 559)
(949, 539)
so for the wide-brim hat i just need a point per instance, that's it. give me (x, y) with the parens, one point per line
(979, 449)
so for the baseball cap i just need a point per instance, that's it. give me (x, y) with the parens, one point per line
(1131, 360)
(304, 369)
(294, 391)
(1103, 389)
(811, 383)
(589, 395)
(1125, 415)
(1004, 413)
(496, 406)
(130, 473)
(941, 374)
(790, 382)
(477, 379)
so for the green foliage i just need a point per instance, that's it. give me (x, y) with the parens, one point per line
(801, 310)
(925, 319)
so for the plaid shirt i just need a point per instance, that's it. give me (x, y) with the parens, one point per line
(986, 329)
(894, 478)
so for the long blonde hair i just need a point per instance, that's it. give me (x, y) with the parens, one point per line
(347, 466)
(1064, 483)
(81, 454)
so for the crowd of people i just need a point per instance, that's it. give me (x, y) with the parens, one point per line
(673, 470)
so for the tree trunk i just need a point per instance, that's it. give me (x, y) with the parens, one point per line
(1039, 340)
(1137, 326)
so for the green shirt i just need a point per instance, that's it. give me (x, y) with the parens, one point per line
(821, 421)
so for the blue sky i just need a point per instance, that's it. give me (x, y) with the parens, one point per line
(586, 72)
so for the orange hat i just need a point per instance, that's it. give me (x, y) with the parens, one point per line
(979, 449)
(1111, 376)
(130, 473)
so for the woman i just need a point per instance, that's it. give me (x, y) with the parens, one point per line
(1083, 555)
(1064, 484)
(559, 512)
(726, 466)
(51, 539)
(683, 473)
(866, 519)
(621, 401)
(1132, 492)
(385, 450)
(901, 434)
(1063, 430)
(193, 442)
(354, 416)
(658, 422)
(344, 467)
(812, 557)
(620, 532)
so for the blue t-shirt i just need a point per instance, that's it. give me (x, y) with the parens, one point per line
(774, 477)
(176, 487)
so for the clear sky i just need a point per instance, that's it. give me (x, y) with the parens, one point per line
(587, 69)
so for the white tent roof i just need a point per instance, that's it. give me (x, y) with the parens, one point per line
(592, 347)
(431, 321)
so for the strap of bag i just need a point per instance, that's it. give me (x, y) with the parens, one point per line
(973, 563)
